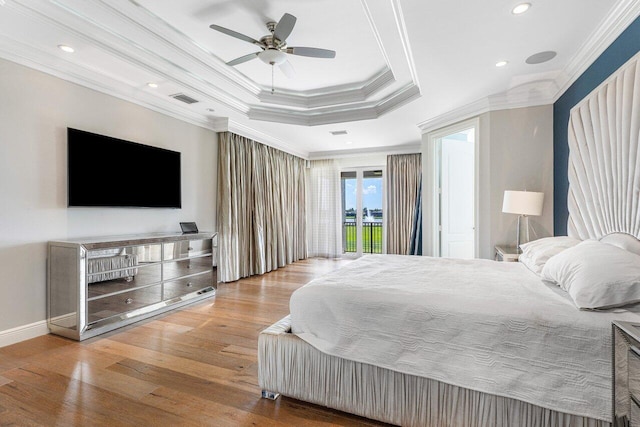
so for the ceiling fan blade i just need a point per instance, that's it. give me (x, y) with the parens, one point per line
(288, 70)
(284, 27)
(313, 52)
(234, 34)
(243, 59)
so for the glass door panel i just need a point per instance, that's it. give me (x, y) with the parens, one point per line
(372, 211)
(349, 184)
(362, 211)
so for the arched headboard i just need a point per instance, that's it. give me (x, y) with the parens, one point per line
(604, 159)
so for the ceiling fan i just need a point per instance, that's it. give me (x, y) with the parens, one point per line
(274, 46)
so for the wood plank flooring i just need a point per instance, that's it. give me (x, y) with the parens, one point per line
(196, 366)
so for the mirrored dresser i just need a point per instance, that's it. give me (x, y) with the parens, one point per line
(626, 374)
(97, 285)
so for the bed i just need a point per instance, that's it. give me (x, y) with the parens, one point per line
(430, 342)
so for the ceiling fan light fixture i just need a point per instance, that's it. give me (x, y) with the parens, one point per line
(65, 48)
(521, 8)
(272, 56)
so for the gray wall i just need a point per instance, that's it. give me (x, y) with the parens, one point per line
(35, 110)
(521, 155)
(515, 152)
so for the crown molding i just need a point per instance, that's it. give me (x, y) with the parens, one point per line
(183, 43)
(503, 101)
(32, 57)
(153, 46)
(224, 124)
(354, 112)
(143, 58)
(620, 17)
(475, 108)
(228, 125)
(333, 95)
(329, 96)
(340, 154)
(23, 54)
(404, 39)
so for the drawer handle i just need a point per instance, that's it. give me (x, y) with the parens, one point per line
(190, 248)
(635, 350)
(128, 301)
(189, 284)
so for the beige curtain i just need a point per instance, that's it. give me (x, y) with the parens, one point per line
(604, 158)
(261, 208)
(324, 226)
(404, 175)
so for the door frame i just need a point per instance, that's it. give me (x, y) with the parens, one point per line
(359, 170)
(431, 176)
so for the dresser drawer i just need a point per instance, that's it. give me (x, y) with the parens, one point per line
(187, 285)
(103, 308)
(633, 381)
(140, 276)
(172, 270)
(187, 248)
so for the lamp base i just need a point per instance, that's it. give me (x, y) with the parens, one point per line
(518, 236)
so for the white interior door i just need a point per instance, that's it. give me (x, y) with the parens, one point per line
(457, 180)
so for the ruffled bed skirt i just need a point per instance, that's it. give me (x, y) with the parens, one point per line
(292, 367)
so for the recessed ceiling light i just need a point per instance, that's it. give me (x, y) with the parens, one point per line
(540, 57)
(65, 48)
(211, 110)
(521, 8)
(349, 142)
(152, 84)
(501, 63)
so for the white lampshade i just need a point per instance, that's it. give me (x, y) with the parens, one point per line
(523, 203)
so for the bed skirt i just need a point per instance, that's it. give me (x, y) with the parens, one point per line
(292, 367)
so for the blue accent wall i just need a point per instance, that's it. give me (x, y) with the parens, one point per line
(620, 51)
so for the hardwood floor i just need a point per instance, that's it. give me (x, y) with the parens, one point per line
(195, 366)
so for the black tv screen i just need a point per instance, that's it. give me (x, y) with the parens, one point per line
(110, 172)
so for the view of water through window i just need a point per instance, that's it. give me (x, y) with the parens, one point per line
(372, 214)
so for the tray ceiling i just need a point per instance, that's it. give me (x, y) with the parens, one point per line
(401, 65)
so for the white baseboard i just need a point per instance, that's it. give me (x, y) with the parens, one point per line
(23, 333)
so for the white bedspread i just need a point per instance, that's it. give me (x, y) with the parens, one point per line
(489, 326)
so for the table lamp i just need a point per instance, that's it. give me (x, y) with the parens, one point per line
(522, 203)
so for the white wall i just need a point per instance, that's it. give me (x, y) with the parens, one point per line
(515, 153)
(365, 160)
(35, 111)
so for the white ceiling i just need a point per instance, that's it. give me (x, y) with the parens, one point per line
(402, 66)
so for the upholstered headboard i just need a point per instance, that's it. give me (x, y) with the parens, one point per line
(604, 158)
(624, 241)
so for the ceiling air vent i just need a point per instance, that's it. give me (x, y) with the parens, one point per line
(184, 98)
(338, 132)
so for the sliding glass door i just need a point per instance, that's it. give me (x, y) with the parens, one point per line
(362, 211)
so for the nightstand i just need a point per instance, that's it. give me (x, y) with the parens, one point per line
(626, 374)
(506, 253)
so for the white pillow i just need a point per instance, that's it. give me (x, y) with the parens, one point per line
(596, 274)
(535, 254)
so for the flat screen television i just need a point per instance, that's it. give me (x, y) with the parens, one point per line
(111, 172)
